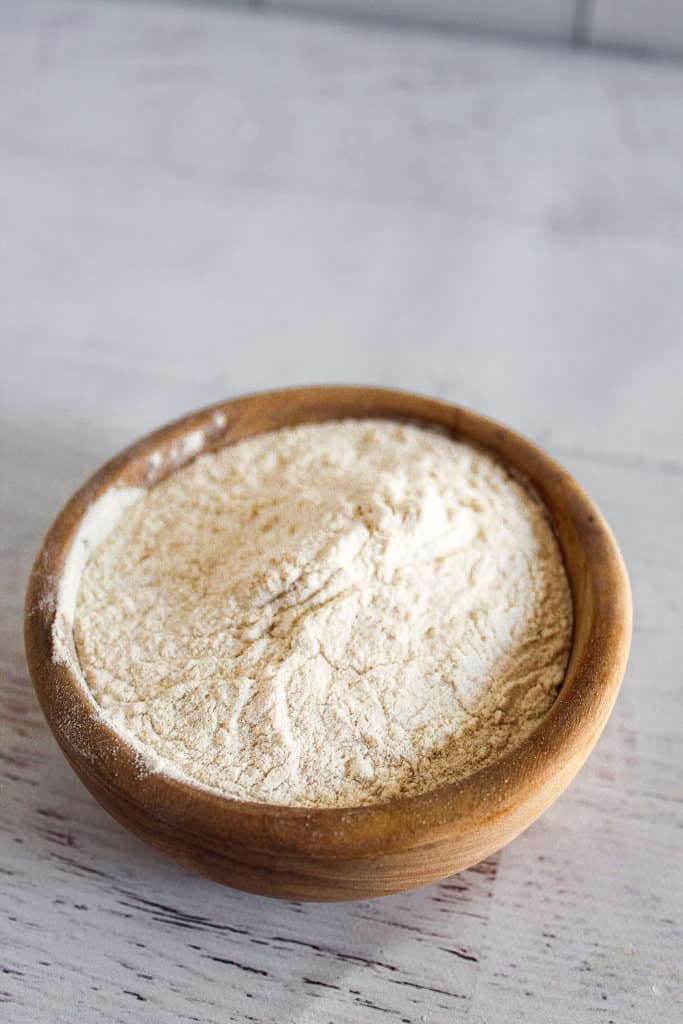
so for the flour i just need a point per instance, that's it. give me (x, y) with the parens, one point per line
(97, 523)
(327, 615)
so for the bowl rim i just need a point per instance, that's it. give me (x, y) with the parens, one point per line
(601, 600)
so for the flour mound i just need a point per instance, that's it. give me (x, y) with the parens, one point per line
(327, 615)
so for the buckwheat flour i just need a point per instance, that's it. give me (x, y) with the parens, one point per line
(327, 615)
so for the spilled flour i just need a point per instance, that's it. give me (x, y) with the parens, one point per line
(328, 615)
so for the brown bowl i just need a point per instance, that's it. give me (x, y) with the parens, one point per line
(357, 852)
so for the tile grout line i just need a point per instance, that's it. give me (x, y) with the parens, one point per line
(583, 23)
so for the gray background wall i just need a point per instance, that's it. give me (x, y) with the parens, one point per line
(646, 27)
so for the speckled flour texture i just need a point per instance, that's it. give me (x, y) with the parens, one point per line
(327, 615)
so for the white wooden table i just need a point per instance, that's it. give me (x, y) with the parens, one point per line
(195, 203)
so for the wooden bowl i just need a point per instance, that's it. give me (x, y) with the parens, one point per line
(358, 852)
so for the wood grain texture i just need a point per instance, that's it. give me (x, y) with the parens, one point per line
(499, 227)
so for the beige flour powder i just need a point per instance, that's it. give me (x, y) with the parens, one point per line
(327, 615)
